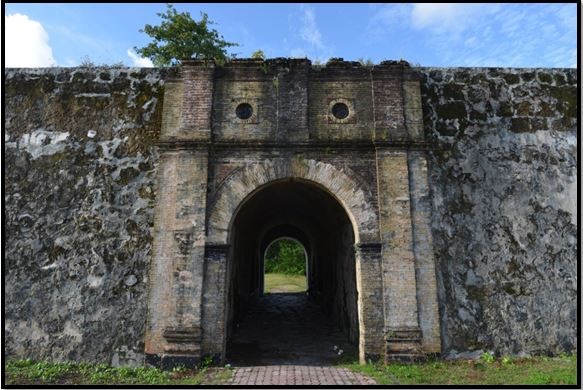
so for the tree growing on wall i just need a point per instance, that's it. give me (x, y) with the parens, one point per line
(179, 37)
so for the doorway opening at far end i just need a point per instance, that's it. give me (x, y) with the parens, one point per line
(285, 267)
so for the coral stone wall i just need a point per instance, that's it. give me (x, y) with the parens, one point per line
(503, 177)
(79, 192)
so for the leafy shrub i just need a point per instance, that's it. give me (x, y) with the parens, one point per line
(285, 257)
(487, 357)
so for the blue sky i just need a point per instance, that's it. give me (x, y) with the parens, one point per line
(507, 35)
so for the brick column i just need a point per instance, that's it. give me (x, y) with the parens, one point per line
(174, 330)
(403, 335)
(176, 278)
(214, 301)
(423, 250)
(421, 218)
(387, 89)
(197, 104)
(413, 110)
(370, 301)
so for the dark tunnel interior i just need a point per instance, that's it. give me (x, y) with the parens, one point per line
(309, 214)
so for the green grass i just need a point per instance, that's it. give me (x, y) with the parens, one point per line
(29, 372)
(280, 283)
(505, 371)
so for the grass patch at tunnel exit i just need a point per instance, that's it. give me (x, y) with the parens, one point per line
(281, 283)
(485, 371)
(28, 372)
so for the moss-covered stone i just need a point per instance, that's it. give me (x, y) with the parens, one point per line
(563, 124)
(539, 124)
(479, 79)
(495, 89)
(436, 75)
(446, 129)
(477, 116)
(80, 77)
(511, 78)
(63, 76)
(545, 110)
(527, 76)
(493, 72)
(127, 174)
(559, 79)
(520, 125)
(454, 91)
(462, 76)
(504, 110)
(566, 99)
(452, 110)
(138, 75)
(545, 77)
(523, 108)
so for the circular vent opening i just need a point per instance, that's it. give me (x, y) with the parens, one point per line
(340, 110)
(244, 111)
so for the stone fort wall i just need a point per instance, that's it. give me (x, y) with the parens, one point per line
(80, 163)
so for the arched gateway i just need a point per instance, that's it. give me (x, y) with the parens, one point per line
(333, 158)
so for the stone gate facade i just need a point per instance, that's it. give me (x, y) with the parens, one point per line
(352, 134)
(122, 241)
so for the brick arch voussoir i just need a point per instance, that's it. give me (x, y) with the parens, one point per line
(240, 186)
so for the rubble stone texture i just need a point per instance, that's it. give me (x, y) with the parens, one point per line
(494, 200)
(503, 178)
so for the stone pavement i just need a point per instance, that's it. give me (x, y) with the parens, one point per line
(297, 375)
(285, 339)
(287, 329)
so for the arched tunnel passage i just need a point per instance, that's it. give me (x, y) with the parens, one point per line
(301, 327)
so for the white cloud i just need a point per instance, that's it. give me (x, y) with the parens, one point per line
(27, 43)
(483, 34)
(386, 17)
(139, 61)
(309, 31)
(448, 17)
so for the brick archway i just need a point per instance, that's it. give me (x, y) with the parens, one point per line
(241, 185)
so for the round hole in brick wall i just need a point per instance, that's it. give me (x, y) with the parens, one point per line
(244, 111)
(340, 110)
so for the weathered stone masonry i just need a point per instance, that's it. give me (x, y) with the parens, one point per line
(503, 179)
(489, 205)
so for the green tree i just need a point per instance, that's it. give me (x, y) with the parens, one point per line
(258, 55)
(179, 37)
(285, 257)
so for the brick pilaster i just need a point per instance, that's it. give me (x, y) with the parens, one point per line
(370, 301)
(398, 260)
